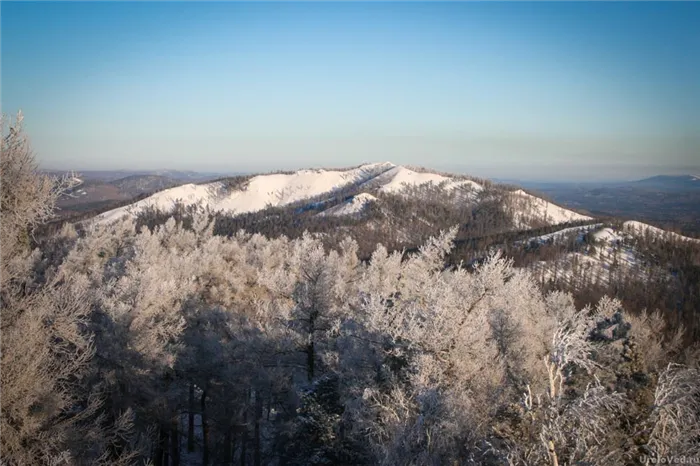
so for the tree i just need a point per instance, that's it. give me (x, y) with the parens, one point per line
(50, 413)
(27, 199)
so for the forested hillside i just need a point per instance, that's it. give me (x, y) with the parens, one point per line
(286, 338)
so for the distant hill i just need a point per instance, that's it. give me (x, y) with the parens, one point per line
(99, 189)
(112, 175)
(93, 193)
(138, 184)
(670, 183)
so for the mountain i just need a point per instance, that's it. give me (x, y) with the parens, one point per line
(314, 189)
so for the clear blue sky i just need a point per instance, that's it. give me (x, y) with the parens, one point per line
(565, 90)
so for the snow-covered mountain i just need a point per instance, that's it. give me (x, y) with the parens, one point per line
(364, 183)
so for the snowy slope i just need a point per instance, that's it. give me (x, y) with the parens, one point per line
(398, 178)
(578, 270)
(607, 235)
(640, 228)
(261, 191)
(557, 235)
(351, 207)
(600, 264)
(527, 208)
(612, 258)
(187, 193)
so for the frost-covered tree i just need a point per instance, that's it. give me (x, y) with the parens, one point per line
(51, 413)
(27, 198)
(276, 351)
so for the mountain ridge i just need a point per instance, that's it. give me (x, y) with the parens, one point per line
(253, 193)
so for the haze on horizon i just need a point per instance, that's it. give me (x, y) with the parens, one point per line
(546, 91)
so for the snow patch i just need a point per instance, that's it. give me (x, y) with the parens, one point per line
(600, 265)
(607, 235)
(395, 180)
(351, 207)
(557, 235)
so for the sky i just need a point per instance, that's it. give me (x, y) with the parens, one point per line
(532, 91)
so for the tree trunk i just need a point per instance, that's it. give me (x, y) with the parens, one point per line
(258, 417)
(228, 453)
(311, 347)
(164, 444)
(310, 359)
(175, 441)
(205, 431)
(552, 382)
(269, 406)
(160, 447)
(244, 436)
(190, 421)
